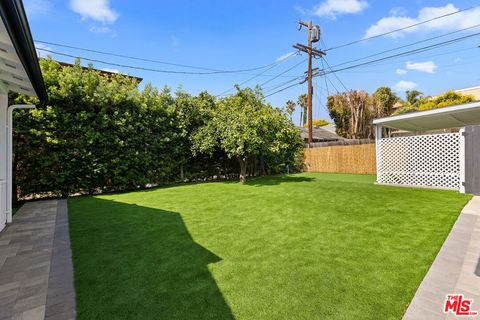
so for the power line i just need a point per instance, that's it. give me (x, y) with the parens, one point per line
(325, 78)
(410, 52)
(409, 45)
(113, 54)
(405, 53)
(139, 67)
(282, 84)
(400, 29)
(255, 76)
(333, 85)
(290, 86)
(320, 95)
(424, 56)
(282, 73)
(313, 36)
(336, 76)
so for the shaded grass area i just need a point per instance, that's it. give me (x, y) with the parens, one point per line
(306, 246)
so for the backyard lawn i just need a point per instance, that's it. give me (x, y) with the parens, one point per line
(305, 246)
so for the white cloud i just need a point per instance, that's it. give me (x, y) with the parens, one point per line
(97, 10)
(388, 24)
(398, 11)
(37, 7)
(428, 66)
(41, 53)
(397, 20)
(332, 8)
(401, 71)
(99, 29)
(285, 56)
(402, 86)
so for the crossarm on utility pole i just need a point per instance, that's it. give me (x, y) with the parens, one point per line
(313, 36)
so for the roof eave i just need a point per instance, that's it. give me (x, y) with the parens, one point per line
(415, 115)
(16, 23)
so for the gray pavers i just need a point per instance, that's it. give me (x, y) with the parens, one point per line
(61, 292)
(36, 274)
(454, 270)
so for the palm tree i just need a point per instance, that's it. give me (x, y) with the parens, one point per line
(290, 107)
(303, 103)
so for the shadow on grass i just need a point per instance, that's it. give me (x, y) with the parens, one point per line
(133, 262)
(251, 181)
(276, 180)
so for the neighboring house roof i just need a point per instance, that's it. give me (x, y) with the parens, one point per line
(104, 72)
(330, 127)
(18, 59)
(320, 135)
(473, 91)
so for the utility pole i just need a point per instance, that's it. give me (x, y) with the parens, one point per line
(313, 36)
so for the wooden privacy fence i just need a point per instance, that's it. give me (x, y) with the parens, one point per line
(357, 158)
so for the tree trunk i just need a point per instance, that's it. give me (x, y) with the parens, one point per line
(305, 115)
(243, 169)
(262, 165)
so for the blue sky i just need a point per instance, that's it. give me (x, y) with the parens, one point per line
(240, 34)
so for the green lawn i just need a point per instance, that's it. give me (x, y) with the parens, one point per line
(305, 246)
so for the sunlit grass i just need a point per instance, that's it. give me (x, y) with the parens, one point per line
(306, 246)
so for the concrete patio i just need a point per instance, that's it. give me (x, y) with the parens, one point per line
(36, 274)
(456, 269)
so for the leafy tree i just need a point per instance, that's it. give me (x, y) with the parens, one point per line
(405, 108)
(340, 113)
(425, 103)
(97, 133)
(448, 98)
(319, 123)
(244, 128)
(352, 113)
(383, 100)
(100, 133)
(413, 96)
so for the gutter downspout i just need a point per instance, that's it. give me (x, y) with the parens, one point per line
(10, 156)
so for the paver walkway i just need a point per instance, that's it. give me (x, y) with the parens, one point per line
(36, 274)
(456, 269)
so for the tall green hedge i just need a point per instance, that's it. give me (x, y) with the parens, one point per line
(101, 133)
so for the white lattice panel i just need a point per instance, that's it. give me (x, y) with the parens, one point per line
(423, 160)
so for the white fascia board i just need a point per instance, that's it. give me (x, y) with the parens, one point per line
(426, 113)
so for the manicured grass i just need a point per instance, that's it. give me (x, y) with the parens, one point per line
(306, 246)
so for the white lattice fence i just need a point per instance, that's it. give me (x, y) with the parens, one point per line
(423, 160)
